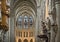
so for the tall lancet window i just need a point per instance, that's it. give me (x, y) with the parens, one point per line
(30, 21)
(19, 21)
(25, 21)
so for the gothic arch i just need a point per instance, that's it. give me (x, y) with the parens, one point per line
(33, 2)
(25, 40)
(23, 7)
(25, 13)
(19, 40)
(31, 40)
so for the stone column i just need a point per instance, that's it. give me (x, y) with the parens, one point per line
(12, 35)
(58, 19)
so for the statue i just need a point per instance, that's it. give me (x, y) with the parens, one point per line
(53, 28)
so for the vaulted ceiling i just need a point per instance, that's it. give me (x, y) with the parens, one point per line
(25, 6)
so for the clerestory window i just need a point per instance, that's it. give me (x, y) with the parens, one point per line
(24, 21)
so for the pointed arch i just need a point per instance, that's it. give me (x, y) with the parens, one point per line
(31, 40)
(25, 40)
(19, 40)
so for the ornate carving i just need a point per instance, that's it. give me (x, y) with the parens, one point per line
(55, 28)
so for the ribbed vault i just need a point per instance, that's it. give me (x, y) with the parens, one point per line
(25, 6)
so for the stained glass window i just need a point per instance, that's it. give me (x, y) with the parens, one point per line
(19, 21)
(25, 22)
(31, 20)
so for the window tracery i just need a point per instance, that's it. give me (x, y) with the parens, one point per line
(24, 21)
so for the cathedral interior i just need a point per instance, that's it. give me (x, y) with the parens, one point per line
(29, 20)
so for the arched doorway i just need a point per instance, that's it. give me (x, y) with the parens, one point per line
(31, 40)
(25, 40)
(19, 40)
